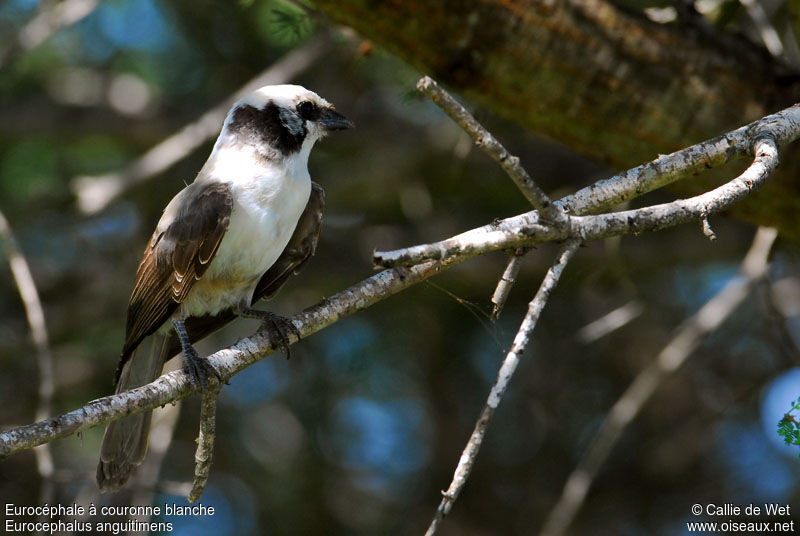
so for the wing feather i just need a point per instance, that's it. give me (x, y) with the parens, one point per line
(298, 251)
(179, 253)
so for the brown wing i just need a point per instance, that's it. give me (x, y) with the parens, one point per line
(300, 248)
(186, 240)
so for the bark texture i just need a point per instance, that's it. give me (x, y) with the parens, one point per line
(605, 82)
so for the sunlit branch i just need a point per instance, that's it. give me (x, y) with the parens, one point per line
(486, 141)
(783, 127)
(228, 362)
(504, 375)
(506, 283)
(684, 342)
(205, 443)
(527, 230)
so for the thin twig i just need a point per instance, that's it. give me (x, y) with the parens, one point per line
(205, 443)
(20, 269)
(504, 376)
(506, 283)
(708, 232)
(94, 193)
(486, 141)
(527, 230)
(686, 339)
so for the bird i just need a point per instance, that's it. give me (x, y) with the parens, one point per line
(249, 220)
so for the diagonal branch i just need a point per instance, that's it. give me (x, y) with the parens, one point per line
(610, 322)
(504, 376)
(766, 31)
(783, 127)
(484, 139)
(527, 230)
(686, 339)
(228, 362)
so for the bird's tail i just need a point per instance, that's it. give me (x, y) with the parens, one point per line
(125, 441)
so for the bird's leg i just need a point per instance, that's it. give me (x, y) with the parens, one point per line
(195, 366)
(277, 326)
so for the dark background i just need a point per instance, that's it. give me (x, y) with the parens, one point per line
(362, 428)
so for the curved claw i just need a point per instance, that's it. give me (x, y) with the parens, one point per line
(278, 327)
(198, 369)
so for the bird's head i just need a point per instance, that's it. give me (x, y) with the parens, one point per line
(280, 121)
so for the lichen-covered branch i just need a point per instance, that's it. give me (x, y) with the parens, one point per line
(205, 443)
(504, 375)
(486, 141)
(528, 229)
(176, 385)
(506, 283)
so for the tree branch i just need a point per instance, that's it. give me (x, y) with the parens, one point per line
(783, 127)
(527, 229)
(228, 362)
(506, 283)
(504, 375)
(511, 233)
(205, 443)
(548, 65)
(610, 322)
(484, 139)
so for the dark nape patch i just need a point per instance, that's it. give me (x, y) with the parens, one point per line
(267, 129)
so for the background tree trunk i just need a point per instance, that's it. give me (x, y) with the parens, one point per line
(608, 83)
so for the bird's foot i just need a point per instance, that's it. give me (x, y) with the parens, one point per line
(278, 327)
(198, 369)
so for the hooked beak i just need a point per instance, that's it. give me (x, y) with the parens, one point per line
(332, 120)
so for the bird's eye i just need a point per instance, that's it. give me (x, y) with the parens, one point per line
(306, 109)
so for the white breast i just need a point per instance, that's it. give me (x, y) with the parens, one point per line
(268, 201)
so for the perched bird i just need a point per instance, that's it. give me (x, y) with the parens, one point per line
(249, 220)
